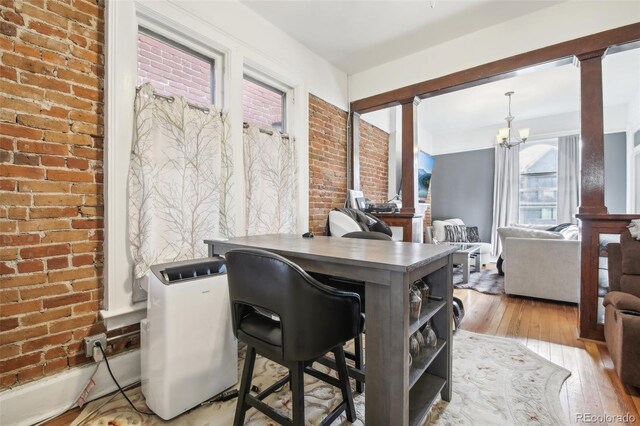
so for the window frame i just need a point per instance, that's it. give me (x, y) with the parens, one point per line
(211, 58)
(546, 141)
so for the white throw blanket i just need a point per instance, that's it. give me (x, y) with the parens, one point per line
(634, 228)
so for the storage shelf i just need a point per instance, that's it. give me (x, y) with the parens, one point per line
(422, 362)
(422, 397)
(428, 311)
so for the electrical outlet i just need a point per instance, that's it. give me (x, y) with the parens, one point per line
(90, 344)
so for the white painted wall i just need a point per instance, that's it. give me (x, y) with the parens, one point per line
(243, 39)
(555, 24)
(380, 118)
(541, 128)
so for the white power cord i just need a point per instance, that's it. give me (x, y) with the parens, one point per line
(85, 392)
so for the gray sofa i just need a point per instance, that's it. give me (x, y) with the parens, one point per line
(541, 264)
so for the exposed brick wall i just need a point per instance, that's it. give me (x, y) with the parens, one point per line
(374, 162)
(173, 71)
(51, 184)
(261, 106)
(327, 161)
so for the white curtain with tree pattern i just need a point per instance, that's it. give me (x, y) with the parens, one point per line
(270, 182)
(179, 180)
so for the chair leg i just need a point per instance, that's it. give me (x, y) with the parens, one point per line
(343, 376)
(297, 393)
(357, 342)
(245, 386)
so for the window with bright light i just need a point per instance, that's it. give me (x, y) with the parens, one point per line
(263, 105)
(538, 192)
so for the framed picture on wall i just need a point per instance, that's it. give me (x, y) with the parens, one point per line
(425, 167)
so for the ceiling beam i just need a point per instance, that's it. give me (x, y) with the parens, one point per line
(553, 55)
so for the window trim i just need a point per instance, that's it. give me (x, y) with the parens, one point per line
(212, 59)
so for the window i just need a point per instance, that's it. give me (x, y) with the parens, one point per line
(263, 105)
(538, 197)
(173, 69)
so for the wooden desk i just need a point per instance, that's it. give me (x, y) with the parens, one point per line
(395, 393)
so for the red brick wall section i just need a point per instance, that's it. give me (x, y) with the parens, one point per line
(327, 161)
(51, 184)
(374, 162)
(261, 106)
(173, 71)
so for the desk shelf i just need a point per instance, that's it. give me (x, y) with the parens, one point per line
(422, 397)
(430, 372)
(432, 307)
(423, 361)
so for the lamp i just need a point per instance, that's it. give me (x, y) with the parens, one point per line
(504, 138)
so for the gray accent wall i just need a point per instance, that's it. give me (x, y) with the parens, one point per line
(462, 186)
(615, 172)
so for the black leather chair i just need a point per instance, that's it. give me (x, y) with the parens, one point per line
(285, 315)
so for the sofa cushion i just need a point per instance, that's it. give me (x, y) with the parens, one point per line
(438, 228)
(630, 254)
(630, 284)
(516, 232)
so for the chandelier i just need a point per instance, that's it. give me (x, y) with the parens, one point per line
(505, 137)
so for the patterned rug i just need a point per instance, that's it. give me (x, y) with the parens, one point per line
(486, 281)
(496, 381)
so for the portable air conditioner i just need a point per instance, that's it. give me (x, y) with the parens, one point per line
(188, 351)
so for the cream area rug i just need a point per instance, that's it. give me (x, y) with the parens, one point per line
(496, 381)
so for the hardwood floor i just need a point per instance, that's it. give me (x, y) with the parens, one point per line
(551, 330)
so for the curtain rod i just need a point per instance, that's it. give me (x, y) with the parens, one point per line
(170, 99)
(266, 131)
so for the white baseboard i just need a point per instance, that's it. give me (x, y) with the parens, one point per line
(36, 401)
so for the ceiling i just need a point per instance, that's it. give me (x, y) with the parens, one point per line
(355, 35)
(542, 93)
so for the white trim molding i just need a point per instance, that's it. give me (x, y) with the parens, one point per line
(118, 318)
(52, 396)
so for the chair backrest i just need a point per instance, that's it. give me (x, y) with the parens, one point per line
(314, 318)
(368, 235)
(341, 223)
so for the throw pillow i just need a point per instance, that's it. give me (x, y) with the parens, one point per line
(456, 233)
(558, 228)
(570, 232)
(438, 228)
(473, 236)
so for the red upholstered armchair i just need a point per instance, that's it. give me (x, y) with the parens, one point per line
(622, 308)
